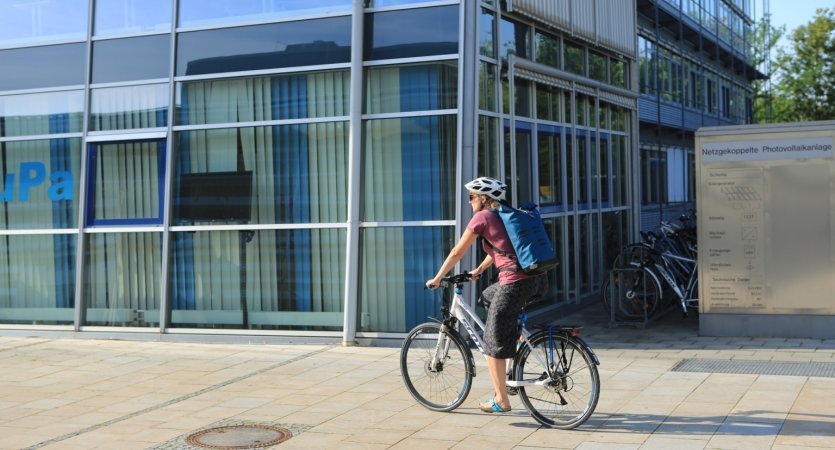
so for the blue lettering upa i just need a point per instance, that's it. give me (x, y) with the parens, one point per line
(32, 174)
(61, 188)
(8, 188)
(27, 182)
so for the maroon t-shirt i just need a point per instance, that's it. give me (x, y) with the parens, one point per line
(488, 225)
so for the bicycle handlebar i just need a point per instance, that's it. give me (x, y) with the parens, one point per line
(452, 280)
(457, 279)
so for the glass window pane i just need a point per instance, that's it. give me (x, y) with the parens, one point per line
(40, 183)
(620, 162)
(277, 97)
(24, 22)
(585, 254)
(138, 58)
(594, 170)
(543, 110)
(597, 67)
(547, 50)
(488, 147)
(411, 32)
(409, 169)
(131, 16)
(122, 279)
(411, 88)
(575, 59)
(295, 96)
(201, 12)
(299, 172)
(556, 283)
(550, 167)
(39, 67)
(127, 183)
(614, 235)
(129, 107)
(383, 3)
(522, 180)
(603, 116)
(582, 171)
(47, 113)
(37, 279)
(521, 95)
(569, 168)
(270, 46)
(604, 172)
(487, 87)
(582, 114)
(515, 39)
(280, 279)
(618, 73)
(393, 262)
(486, 40)
(548, 102)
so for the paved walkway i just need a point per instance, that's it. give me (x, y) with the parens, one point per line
(103, 394)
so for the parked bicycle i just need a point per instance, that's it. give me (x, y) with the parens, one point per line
(554, 371)
(663, 265)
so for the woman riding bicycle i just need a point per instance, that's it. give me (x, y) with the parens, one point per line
(504, 299)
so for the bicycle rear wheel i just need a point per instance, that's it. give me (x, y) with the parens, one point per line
(639, 294)
(442, 386)
(570, 383)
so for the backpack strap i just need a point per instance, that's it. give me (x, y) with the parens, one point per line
(503, 253)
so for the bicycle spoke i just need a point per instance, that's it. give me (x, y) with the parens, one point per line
(444, 386)
(568, 384)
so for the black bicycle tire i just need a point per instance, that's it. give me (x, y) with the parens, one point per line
(588, 410)
(466, 357)
(632, 309)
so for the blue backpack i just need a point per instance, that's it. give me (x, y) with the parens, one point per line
(534, 253)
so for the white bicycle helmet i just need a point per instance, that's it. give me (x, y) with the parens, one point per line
(490, 187)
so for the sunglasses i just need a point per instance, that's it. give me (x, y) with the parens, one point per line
(472, 196)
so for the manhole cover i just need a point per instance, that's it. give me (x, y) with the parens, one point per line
(239, 436)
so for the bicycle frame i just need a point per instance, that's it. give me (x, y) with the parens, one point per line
(466, 316)
(683, 291)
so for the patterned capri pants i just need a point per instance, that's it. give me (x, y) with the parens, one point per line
(504, 302)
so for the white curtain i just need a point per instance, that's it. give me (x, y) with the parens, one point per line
(122, 275)
(28, 277)
(408, 174)
(299, 176)
(129, 107)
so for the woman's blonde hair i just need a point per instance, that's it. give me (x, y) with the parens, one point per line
(491, 202)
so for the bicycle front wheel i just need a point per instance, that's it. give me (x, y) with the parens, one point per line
(436, 367)
(567, 382)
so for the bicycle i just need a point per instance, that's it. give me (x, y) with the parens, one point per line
(554, 371)
(665, 262)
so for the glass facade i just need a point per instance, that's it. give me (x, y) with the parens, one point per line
(561, 147)
(703, 80)
(24, 23)
(223, 187)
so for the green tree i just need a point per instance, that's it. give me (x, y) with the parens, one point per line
(764, 43)
(804, 88)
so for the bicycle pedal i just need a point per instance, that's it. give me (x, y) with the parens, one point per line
(512, 390)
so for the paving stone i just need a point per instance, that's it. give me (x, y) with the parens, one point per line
(78, 392)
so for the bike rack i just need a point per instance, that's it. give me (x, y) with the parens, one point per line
(624, 299)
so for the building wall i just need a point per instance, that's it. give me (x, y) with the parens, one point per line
(123, 124)
(555, 122)
(695, 69)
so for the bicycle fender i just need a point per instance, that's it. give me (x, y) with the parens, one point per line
(657, 282)
(588, 349)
